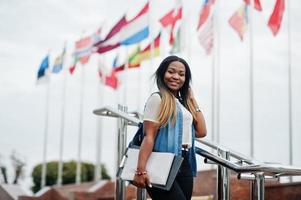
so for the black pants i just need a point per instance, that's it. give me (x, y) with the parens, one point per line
(181, 188)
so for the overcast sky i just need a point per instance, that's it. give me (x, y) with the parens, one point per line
(31, 28)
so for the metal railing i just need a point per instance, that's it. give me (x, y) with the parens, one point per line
(245, 167)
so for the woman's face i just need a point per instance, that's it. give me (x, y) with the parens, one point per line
(174, 76)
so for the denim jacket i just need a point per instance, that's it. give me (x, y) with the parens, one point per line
(169, 139)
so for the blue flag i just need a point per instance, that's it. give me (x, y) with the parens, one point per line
(44, 65)
(59, 61)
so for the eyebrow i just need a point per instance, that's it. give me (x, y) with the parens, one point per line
(175, 69)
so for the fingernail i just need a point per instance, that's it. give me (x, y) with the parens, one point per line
(150, 185)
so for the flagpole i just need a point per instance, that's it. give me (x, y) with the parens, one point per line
(251, 79)
(139, 87)
(78, 166)
(290, 89)
(60, 164)
(125, 77)
(217, 73)
(44, 166)
(213, 81)
(152, 42)
(97, 172)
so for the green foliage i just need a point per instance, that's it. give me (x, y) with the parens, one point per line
(69, 173)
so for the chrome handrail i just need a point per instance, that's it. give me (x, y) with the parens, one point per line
(233, 153)
(275, 170)
(258, 171)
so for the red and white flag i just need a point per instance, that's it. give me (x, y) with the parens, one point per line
(205, 26)
(170, 20)
(205, 35)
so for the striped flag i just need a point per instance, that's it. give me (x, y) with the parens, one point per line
(84, 46)
(59, 62)
(43, 68)
(205, 26)
(111, 41)
(205, 35)
(137, 56)
(137, 29)
(205, 12)
(83, 49)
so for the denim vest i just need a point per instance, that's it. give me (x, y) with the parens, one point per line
(169, 139)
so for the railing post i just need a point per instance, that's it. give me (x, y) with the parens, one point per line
(121, 144)
(141, 194)
(223, 177)
(258, 186)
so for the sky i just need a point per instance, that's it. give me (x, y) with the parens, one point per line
(30, 29)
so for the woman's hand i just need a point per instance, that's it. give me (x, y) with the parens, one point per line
(142, 181)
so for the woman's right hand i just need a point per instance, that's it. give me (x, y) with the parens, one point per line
(142, 181)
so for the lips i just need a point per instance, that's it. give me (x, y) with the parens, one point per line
(174, 83)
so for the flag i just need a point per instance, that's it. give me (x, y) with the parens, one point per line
(136, 29)
(169, 21)
(205, 12)
(134, 54)
(43, 67)
(115, 61)
(176, 42)
(110, 80)
(276, 17)
(205, 26)
(137, 56)
(171, 17)
(73, 66)
(83, 49)
(84, 46)
(205, 35)
(145, 53)
(257, 4)
(239, 20)
(111, 41)
(59, 62)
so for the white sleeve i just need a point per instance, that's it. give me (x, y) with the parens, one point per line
(152, 108)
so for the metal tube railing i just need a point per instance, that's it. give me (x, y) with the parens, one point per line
(260, 171)
(223, 176)
(124, 119)
(246, 168)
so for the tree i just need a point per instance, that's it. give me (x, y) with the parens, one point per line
(18, 163)
(69, 173)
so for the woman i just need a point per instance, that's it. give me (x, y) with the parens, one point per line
(172, 120)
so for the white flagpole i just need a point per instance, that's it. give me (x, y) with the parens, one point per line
(213, 80)
(152, 42)
(251, 79)
(78, 166)
(290, 89)
(60, 164)
(217, 71)
(139, 87)
(44, 166)
(125, 77)
(100, 89)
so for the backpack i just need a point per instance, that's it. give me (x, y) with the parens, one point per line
(138, 137)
